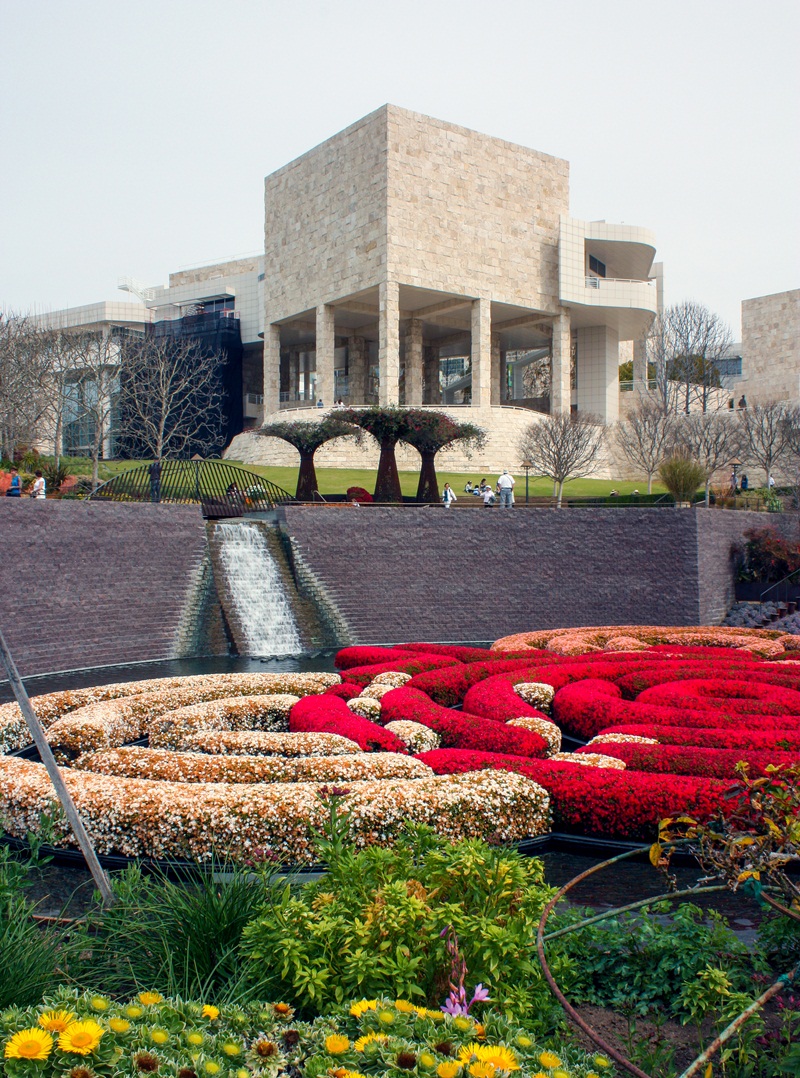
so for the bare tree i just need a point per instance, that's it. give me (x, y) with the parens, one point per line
(699, 340)
(563, 447)
(170, 396)
(712, 439)
(682, 351)
(769, 429)
(24, 365)
(91, 391)
(646, 436)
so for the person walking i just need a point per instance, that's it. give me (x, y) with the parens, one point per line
(15, 490)
(448, 496)
(505, 488)
(39, 487)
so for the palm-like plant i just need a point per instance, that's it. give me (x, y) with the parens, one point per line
(431, 432)
(307, 437)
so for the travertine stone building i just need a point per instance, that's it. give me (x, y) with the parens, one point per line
(771, 347)
(408, 260)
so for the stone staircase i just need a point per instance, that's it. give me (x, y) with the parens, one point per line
(89, 584)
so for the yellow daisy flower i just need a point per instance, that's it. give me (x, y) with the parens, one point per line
(364, 1005)
(99, 1003)
(386, 1018)
(524, 1042)
(55, 1021)
(370, 1038)
(549, 1060)
(404, 1006)
(212, 1067)
(602, 1061)
(119, 1025)
(480, 1069)
(336, 1044)
(134, 1011)
(231, 1049)
(427, 1061)
(462, 1023)
(449, 1069)
(561, 1073)
(499, 1056)
(242, 1072)
(149, 998)
(159, 1036)
(195, 1038)
(210, 1011)
(469, 1051)
(81, 1037)
(32, 1043)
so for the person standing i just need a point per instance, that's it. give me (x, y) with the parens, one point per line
(448, 496)
(770, 482)
(39, 487)
(505, 488)
(155, 480)
(15, 490)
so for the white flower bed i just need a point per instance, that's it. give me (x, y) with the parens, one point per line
(366, 707)
(536, 693)
(548, 730)
(257, 743)
(414, 735)
(589, 759)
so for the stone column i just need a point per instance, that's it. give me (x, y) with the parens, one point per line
(272, 369)
(598, 372)
(498, 372)
(414, 364)
(432, 391)
(481, 353)
(389, 343)
(560, 392)
(326, 347)
(357, 368)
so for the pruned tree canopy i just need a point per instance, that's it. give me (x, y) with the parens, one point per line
(430, 433)
(307, 436)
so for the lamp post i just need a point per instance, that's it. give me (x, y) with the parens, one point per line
(527, 465)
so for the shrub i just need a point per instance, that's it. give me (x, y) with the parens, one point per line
(681, 476)
(375, 926)
(767, 556)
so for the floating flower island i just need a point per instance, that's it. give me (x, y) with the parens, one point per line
(466, 740)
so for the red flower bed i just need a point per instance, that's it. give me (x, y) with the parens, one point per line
(588, 707)
(367, 656)
(652, 674)
(454, 651)
(346, 691)
(597, 801)
(457, 729)
(330, 715)
(448, 687)
(710, 763)
(740, 737)
(414, 664)
(745, 696)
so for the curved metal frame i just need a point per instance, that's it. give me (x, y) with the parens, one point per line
(781, 982)
(221, 489)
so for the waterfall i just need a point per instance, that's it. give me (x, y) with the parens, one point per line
(255, 591)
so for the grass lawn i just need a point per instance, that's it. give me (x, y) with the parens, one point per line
(337, 480)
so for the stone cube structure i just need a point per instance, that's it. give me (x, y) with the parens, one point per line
(412, 261)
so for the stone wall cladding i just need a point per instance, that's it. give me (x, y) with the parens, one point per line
(504, 426)
(89, 584)
(472, 214)
(400, 574)
(325, 221)
(771, 346)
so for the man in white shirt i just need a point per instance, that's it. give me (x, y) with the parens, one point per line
(505, 486)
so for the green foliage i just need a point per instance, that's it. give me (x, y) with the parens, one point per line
(681, 476)
(307, 437)
(639, 963)
(179, 937)
(28, 953)
(779, 941)
(767, 556)
(374, 926)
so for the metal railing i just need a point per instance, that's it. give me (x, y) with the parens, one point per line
(221, 489)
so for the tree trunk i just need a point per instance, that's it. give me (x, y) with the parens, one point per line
(57, 441)
(560, 494)
(98, 439)
(708, 492)
(428, 486)
(306, 478)
(387, 483)
(649, 482)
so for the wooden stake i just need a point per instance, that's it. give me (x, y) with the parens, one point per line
(53, 770)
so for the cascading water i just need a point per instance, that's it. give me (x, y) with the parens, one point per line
(256, 591)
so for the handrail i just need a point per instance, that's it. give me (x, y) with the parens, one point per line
(777, 584)
(316, 493)
(221, 489)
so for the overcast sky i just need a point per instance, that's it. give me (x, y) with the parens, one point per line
(136, 135)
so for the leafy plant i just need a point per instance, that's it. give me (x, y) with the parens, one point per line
(373, 925)
(767, 556)
(178, 936)
(681, 476)
(28, 953)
